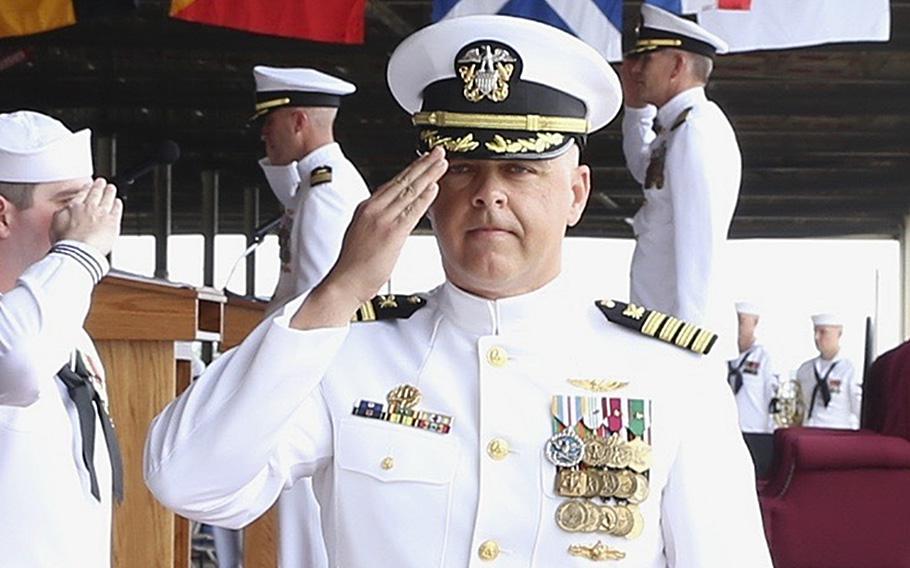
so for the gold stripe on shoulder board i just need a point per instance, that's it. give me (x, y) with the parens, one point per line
(320, 175)
(658, 325)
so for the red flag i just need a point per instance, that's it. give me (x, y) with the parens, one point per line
(734, 4)
(330, 21)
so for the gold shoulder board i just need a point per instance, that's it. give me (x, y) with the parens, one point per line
(389, 306)
(320, 175)
(659, 325)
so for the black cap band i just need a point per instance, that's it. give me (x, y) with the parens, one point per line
(650, 39)
(267, 101)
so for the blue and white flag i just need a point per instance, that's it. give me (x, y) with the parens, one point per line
(683, 6)
(596, 22)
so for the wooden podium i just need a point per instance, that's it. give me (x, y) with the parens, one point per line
(260, 538)
(134, 322)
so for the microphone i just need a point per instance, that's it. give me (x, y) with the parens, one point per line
(167, 152)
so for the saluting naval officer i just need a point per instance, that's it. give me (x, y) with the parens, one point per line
(319, 188)
(751, 375)
(680, 146)
(307, 171)
(60, 465)
(832, 391)
(501, 419)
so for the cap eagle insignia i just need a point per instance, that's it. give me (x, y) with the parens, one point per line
(491, 79)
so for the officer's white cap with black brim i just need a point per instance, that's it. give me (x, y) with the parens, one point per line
(661, 29)
(278, 87)
(500, 87)
(35, 148)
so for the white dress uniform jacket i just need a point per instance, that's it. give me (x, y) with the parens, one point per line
(846, 393)
(681, 229)
(279, 407)
(759, 385)
(319, 215)
(48, 516)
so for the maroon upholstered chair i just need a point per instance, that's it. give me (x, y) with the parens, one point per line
(841, 498)
(886, 393)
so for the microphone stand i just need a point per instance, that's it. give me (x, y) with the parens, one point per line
(255, 240)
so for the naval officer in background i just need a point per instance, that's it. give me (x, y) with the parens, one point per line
(680, 146)
(60, 465)
(307, 171)
(501, 418)
(319, 188)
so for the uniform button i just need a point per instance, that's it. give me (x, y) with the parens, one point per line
(387, 463)
(497, 356)
(489, 550)
(498, 449)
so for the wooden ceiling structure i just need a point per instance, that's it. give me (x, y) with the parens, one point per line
(823, 130)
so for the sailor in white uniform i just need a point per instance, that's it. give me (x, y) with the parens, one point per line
(680, 146)
(60, 465)
(319, 188)
(831, 387)
(751, 375)
(501, 419)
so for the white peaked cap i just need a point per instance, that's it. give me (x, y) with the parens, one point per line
(747, 308)
(278, 87)
(35, 148)
(299, 79)
(550, 57)
(827, 319)
(659, 24)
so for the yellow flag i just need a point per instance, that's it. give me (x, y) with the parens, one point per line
(179, 5)
(24, 17)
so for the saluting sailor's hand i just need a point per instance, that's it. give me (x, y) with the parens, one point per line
(628, 76)
(372, 243)
(91, 217)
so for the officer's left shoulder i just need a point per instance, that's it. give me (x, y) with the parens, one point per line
(389, 307)
(320, 175)
(658, 325)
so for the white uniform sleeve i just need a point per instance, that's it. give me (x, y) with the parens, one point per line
(252, 424)
(323, 213)
(637, 136)
(283, 181)
(41, 319)
(700, 217)
(709, 509)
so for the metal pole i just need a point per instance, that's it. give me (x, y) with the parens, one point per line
(105, 156)
(105, 161)
(210, 182)
(905, 278)
(209, 224)
(250, 220)
(162, 212)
